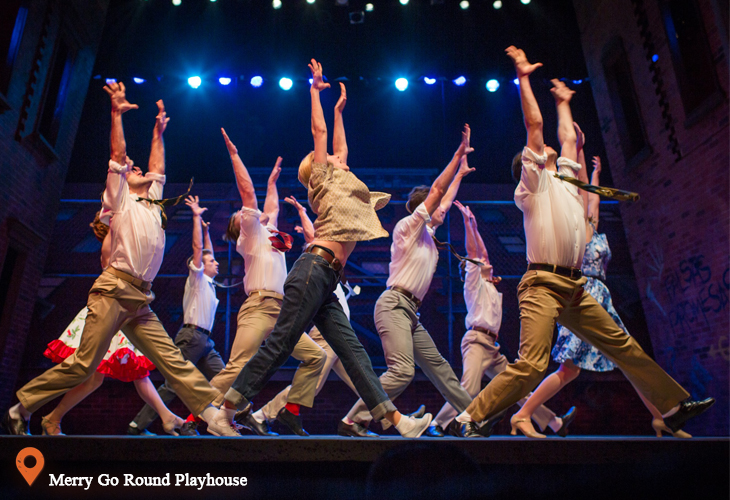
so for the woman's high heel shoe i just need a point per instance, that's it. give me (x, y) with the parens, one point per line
(51, 428)
(525, 427)
(659, 427)
(173, 427)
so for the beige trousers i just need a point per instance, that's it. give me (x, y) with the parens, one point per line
(256, 320)
(117, 305)
(332, 363)
(546, 298)
(480, 355)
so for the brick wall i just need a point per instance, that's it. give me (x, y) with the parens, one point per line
(678, 232)
(32, 170)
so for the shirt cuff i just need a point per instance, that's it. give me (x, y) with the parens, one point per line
(105, 215)
(155, 177)
(196, 270)
(531, 155)
(116, 168)
(422, 212)
(565, 162)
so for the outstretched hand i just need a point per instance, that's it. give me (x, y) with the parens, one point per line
(161, 119)
(561, 92)
(293, 201)
(117, 92)
(206, 225)
(465, 147)
(275, 172)
(596, 164)
(232, 150)
(464, 168)
(318, 82)
(581, 137)
(522, 65)
(340, 106)
(193, 203)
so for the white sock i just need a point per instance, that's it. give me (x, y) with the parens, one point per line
(555, 424)
(463, 418)
(406, 424)
(133, 424)
(208, 413)
(348, 421)
(259, 416)
(671, 412)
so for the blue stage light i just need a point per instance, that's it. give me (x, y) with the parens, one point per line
(138, 80)
(655, 58)
(404, 2)
(525, 2)
(492, 85)
(276, 4)
(497, 4)
(194, 81)
(109, 81)
(176, 2)
(285, 83)
(464, 4)
(460, 81)
(401, 84)
(369, 7)
(577, 82)
(257, 81)
(516, 81)
(311, 81)
(429, 81)
(224, 80)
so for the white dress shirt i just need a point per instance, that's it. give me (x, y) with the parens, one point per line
(483, 301)
(199, 300)
(138, 240)
(555, 228)
(265, 265)
(413, 254)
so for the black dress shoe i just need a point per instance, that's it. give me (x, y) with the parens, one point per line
(15, 426)
(259, 428)
(189, 429)
(687, 409)
(354, 430)
(487, 426)
(293, 422)
(567, 419)
(136, 431)
(434, 431)
(470, 430)
(419, 413)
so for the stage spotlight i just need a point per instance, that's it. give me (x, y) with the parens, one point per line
(109, 81)
(138, 80)
(194, 81)
(429, 81)
(525, 2)
(357, 17)
(276, 4)
(577, 82)
(460, 81)
(176, 2)
(310, 1)
(401, 83)
(257, 81)
(224, 80)
(655, 58)
(285, 83)
(492, 85)
(497, 4)
(464, 4)
(404, 2)
(369, 7)
(516, 81)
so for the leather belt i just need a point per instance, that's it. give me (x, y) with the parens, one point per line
(266, 293)
(484, 330)
(327, 255)
(142, 285)
(569, 272)
(196, 327)
(406, 294)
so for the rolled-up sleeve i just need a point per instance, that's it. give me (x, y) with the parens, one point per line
(117, 189)
(532, 166)
(410, 228)
(158, 182)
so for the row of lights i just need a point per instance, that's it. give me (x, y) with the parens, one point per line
(464, 4)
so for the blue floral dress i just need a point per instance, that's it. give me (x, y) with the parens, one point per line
(570, 347)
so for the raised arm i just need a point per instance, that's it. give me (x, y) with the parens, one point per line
(193, 203)
(566, 130)
(450, 195)
(120, 105)
(594, 201)
(208, 244)
(441, 185)
(319, 127)
(271, 204)
(307, 228)
(530, 109)
(157, 151)
(481, 247)
(469, 239)
(339, 142)
(243, 179)
(583, 172)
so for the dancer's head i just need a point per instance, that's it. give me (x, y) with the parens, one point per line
(417, 196)
(233, 231)
(305, 169)
(210, 265)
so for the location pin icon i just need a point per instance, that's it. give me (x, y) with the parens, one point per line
(30, 473)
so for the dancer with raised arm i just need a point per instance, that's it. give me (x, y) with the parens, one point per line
(552, 288)
(345, 210)
(120, 297)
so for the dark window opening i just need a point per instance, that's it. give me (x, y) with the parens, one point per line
(12, 22)
(10, 281)
(56, 91)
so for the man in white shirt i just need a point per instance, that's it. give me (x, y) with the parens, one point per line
(257, 240)
(120, 297)
(414, 257)
(552, 288)
(199, 307)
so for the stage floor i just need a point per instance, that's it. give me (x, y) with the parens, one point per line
(338, 467)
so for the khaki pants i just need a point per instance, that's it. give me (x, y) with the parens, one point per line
(546, 298)
(256, 320)
(481, 356)
(332, 363)
(115, 304)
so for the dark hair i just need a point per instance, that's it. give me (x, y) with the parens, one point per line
(100, 229)
(233, 231)
(517, 167)
(417, 196)
(205, 252)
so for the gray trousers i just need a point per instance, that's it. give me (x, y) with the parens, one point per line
(406, 343)
(481, 356)
(195, 347)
